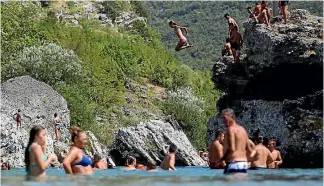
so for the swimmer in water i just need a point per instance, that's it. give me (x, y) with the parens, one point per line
(76, 162)
(262, 156)
(216, 151)
(169, 160)
(99, 164)
(183, 42)
(275, 154)
(151, 166)
(35, 159)
(130, 163)
(236, 146)
(58, 126)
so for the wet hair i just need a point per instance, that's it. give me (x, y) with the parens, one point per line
(151, 164)
(55, 114)
(75, 131)
(218, 133)
(19, 110)
(227, 40)
(226, 15)
(259, 139)
(229, 111)
(273, 140)
(97, 156)
(32, 134)
(130, 160)
(257, 3)
(173, 148)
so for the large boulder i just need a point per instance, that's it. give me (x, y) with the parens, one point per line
(150, 140)
(38, 102)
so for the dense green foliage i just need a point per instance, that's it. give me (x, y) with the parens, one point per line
(104, 62)
(206, 24)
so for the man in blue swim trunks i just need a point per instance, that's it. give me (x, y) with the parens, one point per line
(236, 146)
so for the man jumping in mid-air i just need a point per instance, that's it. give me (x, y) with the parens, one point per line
(183, 43)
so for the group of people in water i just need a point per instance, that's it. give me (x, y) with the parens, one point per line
(232, 151)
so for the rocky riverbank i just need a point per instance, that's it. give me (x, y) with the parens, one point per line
(277, 90)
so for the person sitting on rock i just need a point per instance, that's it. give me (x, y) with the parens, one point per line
(169, 160)
(236, 43)
(99, 164)
(35, 159)
(257, 11)
(227, 48)
(267, 9)
(216, 151)
(58, 126)
(76, 162)
(284, 9)
(262, 156)
(130, 163)
(275, 154)
(151, 166)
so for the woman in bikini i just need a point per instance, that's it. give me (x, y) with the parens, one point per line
(76, 162)
(183, 42)
(35, 159)
(58, 125)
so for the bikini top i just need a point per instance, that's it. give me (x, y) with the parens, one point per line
(85, 161)
(35, 164)
(176, 30)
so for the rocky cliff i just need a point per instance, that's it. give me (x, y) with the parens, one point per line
(38, 103)
(277, 90)
(151, 140)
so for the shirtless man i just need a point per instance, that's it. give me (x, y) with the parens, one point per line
(264, 6)
(236, 42)
(216, 151)
(229, 21)
(169, 160)
(99, 164)
(275, 154)
(227, 48)
(236, 145)
(262, 156)
(257, 11)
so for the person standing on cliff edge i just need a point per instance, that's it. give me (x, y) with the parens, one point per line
(236, 145)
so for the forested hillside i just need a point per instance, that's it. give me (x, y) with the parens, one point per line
(111, 76)
(206, 24)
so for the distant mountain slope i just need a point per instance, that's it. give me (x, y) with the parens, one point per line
(206, 24)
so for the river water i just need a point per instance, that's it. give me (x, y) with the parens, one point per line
(184, 176)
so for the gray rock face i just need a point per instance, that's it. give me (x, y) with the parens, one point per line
(294, 42)
(38, 103)
(277, 91)
(150, 140)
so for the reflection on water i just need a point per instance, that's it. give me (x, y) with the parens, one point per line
(185, 176)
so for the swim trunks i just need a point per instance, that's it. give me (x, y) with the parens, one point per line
(213, 165)
(284, 3)
(235, 46)
(257, 167)
(236, 167)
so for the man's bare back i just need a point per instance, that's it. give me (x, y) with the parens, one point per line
(262, 156)
(168, 162)
(216, 153)
(240, 143)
